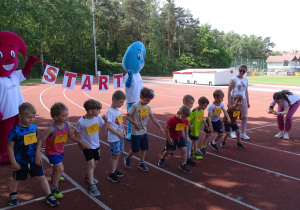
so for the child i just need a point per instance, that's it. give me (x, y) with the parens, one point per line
(56, 136)
(196, 119)
(116, 134)
(234, 112)
(174, 128)
(87, 128)
(213, 122)
(23, 155)
(138, 115)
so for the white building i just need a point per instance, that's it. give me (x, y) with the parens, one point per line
(283, 63)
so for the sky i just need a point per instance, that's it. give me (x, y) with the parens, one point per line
(277, 19)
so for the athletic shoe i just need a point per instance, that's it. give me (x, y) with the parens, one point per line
(192, 152)
(127, 162)
(197, 156)
(214, 146)
(164, 149)
(203, 151)
(161, 162)
(143, 167)
(190, 162)
(233, 135)
(185, 168)
(244, 136)
(61, 179)
(56, 193)
(279, 135)
(86, 179)
(92, 189)
(119, 173)
(286, 136)
(240, 145)
(113, 177)
(13, 200)
(222, 144)
(51, 200)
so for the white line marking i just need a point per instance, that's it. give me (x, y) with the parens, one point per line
(29, 88)
(41, 97)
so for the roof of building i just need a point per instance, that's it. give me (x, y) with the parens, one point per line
(281, 58)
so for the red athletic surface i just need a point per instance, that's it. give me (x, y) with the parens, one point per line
(265, 175)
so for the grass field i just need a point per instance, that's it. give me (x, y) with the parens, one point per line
(285, 80)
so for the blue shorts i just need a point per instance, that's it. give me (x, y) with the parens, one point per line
(217, 126)
(139, 142)
(55, 159)
(193, 138)
(31, 168)
(228, 127)
(92, 154)
(116, 147)
(180, 143)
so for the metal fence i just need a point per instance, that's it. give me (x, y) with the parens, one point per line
(252, 64)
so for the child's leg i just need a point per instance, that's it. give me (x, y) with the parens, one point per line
(44, 184)
(91, 164)
(165, 154)
(183, 154)
(57, 170)
(218, 137)
(14, 185)
(195, 145)
(143, 155)
(238, 135)
(226, 136)
(114, 159)
(204, 140)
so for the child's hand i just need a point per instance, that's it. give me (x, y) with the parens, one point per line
(162, 131)
(104, 117)
(80, 146)
(15, 166)
(137, 126)
(186, 139)
(211, 129)
(38, 159)
(170, 141)
(84, 145)
(229, 121)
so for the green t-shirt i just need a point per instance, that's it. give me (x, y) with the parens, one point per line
(196, 119)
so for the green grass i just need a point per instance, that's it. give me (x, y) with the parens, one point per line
(285, 80)
(33, 81)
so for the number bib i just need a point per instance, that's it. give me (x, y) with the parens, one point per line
(120, 119)
(144, 112)
(92, 129)
(180, 127)
(217, 111)
(30, 138)
(61, 138)
(199, 118)
(236, 113)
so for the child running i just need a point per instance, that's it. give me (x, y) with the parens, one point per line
(174, 128)
(139, 114)
(234, 112)
(56, 136)
(24, 156)
(116, 134)
(87, 128)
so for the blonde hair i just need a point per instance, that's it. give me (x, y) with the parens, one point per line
(26, 108)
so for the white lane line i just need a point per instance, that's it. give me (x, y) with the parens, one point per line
(71, 101)
(41, 100)
(29, 88)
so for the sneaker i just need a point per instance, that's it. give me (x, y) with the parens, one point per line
(192, 152)
(61, 179)
(240, 145)
(203, 151)
(86, 179)
(13, 200)
(185, 169)
(56, 193)
(143, 167)
(222, 144)
(244, 136)
(190, 162)
(161, 162)
(233, 135)
(92, 189)
(279, 135)
(51, 200)
(286, 136)
(127, 162)
(113, 177)
(214, 146)
(197, 156)
(119, 173)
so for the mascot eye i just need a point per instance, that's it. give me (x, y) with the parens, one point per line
(12, 54)
(139, 56)
(1, 55)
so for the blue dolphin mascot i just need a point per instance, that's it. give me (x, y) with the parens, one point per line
(133, 62)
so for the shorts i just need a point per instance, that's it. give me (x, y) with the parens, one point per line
(55, 159)
(91, 154)
(217, 126)
(179, 142)
(31, 168)
(116, 147)
(193, 138)
(228, 127)
(139, 142)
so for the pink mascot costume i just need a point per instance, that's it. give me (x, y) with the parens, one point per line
(10, 91)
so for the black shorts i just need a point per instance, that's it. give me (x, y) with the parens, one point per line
(193, 138)
(179, 142)
(217, 126)
(92, 154)
(31, 168)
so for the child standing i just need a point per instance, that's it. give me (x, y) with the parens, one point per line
(56, 136)
(116, 134)
(196, 119)
(139, 114)
(23, 155)
(234, 112)
(174, 128)
(87, 128)
(213, 122)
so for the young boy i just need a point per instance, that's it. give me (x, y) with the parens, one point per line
(213, 122)
(138, 115)
(196, 119)
(23, 155)
(87, 128)
(234, 112)
(116, 134)
(56, 136)
(174, 128)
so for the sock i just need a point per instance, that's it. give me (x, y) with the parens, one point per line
(182, 164)
(141, 162)
(213, 142)
(54, 187)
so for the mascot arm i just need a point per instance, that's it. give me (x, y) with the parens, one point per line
(28, 65)
(128, 83)
(1, 116)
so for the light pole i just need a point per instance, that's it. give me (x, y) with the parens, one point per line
(94, 31)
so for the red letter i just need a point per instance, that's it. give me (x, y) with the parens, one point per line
(87, 83)
(103, 82)
(70, 77)
(118, 77)
(51, 74)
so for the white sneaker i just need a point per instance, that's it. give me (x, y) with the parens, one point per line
(244, 136)
(286, 136)
(233, 135)
(279, 135)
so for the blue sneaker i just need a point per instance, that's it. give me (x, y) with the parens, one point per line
(127, 162)
(214, 146)
(143, 167)
(203, 151)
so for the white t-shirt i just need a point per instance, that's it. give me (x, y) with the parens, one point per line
(88, 130)
(240, 86)
(133, 93)
(293, 99)
(140, 114)
(114, 116)
(11, 94)
(215, 110)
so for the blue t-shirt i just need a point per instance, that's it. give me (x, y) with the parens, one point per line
(24, 154)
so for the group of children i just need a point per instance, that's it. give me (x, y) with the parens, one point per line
(182, 130)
